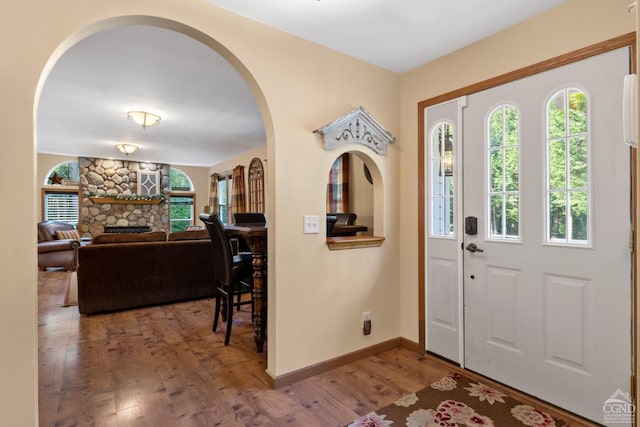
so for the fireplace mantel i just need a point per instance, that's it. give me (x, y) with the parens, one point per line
(114, 201)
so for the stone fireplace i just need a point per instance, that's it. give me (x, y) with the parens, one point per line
(104, 178)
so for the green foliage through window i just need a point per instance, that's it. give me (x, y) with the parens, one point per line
(504, 172)
(181, 206)
(568, 167)
(68, 171)
(181, 212)
(442, 179)
(179, 181)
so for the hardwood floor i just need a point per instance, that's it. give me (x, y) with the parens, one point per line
(162, 366)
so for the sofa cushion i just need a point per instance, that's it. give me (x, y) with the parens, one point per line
(189, 235)
(68, 235)
(151, 236)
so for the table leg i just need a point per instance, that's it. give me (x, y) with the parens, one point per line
(259, 299)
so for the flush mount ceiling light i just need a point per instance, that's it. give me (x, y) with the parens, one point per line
(127, 148)
(143, 118)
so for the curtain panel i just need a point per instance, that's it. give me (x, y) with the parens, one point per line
(238, 194)
(338, 186)
(214, 203)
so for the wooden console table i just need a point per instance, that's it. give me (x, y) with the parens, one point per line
(256, 237)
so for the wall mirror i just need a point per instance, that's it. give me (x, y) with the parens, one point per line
(353, 201)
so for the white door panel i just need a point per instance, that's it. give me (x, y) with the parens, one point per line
(443, 247)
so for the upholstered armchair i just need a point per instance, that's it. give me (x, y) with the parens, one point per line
(58, 244)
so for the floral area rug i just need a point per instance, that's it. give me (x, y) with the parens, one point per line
(456, 400)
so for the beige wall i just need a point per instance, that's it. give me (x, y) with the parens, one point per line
(243, 160)
(316, 296)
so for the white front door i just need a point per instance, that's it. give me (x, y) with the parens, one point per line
(547, 286)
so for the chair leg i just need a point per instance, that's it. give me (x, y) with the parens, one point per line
(225, 307)
(216, 314)
(229, 318)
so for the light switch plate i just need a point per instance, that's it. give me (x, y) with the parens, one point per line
(311, 224)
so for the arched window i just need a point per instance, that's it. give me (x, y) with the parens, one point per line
(568, 200)
(179, 181)
(503, 154)
(182, 200)
(63, 173)
(442, 180)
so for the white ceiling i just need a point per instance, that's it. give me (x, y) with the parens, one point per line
(398, 35)
(208, 112)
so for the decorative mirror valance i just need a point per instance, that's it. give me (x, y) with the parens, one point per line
(358, 126)
(256, 186)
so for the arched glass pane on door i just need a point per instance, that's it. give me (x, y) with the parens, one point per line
(442, 180)
(568, 192)
(503, 154)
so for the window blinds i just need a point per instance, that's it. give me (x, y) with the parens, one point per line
(61, 207)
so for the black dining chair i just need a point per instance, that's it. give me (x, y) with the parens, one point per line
(249, 218)
(233, 275)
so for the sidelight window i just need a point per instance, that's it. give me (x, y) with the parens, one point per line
(442, 180)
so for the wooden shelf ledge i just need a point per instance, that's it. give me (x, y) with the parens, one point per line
(112, 201)
(353, 242)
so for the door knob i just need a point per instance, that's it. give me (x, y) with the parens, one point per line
(471, 247)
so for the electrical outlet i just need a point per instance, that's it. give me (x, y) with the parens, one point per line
(311, 224)
(366, 322)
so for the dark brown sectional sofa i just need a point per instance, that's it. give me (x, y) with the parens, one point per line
(122, 271)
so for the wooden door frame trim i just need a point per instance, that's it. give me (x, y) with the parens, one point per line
(629, 40)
